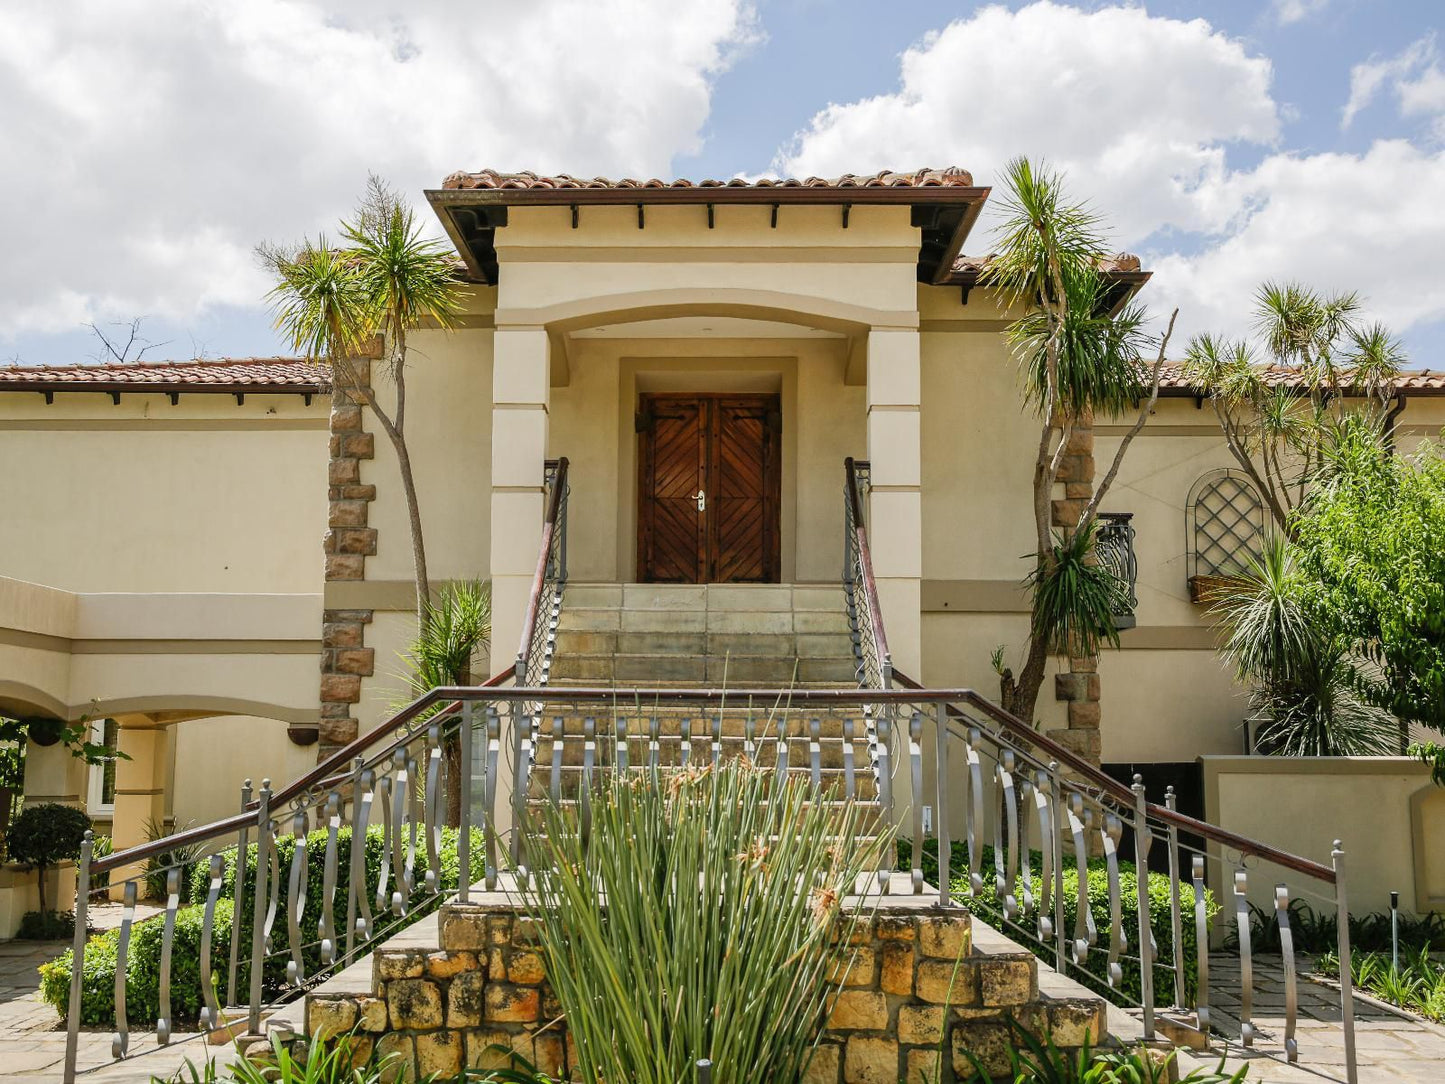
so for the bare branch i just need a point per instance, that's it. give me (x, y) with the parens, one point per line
(1092, 509)
(121, 353)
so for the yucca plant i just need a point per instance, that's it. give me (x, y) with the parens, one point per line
(722, 927)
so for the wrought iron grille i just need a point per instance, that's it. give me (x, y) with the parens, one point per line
(1226, 524)
(1115, 548)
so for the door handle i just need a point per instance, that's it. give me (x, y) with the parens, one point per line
(701, 501)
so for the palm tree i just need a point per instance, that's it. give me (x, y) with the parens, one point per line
(331, 302)
(1078, 360)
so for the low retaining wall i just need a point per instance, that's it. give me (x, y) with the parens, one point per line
(912, 975)
(1386, 812)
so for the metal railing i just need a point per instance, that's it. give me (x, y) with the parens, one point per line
(873, 662)
(1115, 549)
(544, 607)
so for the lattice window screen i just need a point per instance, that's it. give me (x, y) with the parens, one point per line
(1226, 524)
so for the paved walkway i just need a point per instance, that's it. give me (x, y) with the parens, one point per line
(1391, 1046)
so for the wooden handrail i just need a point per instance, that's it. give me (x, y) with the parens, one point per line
(1022, 731)
(539, 577)
(865, 562)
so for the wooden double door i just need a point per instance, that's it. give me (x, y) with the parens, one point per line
(709, 488)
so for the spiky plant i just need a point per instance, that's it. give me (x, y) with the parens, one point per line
(722, 927)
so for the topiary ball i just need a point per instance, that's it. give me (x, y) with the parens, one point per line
(45, 834)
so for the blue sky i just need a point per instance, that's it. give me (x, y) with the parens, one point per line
(151, 145)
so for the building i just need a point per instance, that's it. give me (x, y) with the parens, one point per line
(187, 546)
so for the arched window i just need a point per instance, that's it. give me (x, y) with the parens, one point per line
(1225, 526)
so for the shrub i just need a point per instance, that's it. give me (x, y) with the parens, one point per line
(158, 866)
(143, 970)
(44, 835)
(46, 925)
(1095, 972)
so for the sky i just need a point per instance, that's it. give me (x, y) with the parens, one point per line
(149, 145)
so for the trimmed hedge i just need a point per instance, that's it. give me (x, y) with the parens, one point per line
(143, 970)
(1096, 971)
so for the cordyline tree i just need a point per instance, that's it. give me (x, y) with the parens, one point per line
(1079, 361)
(331, 302)
(1278, 400)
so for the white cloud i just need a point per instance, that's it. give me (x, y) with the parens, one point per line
(1372, 222)
(1293, 11)
(1415, 78)
(1137, 109)
(149, 144)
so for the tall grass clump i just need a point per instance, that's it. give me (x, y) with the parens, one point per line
(723, 930)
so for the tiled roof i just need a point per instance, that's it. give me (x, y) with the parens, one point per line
(1427, 381)
(923, 178)
(223, 374)
(1119, 263)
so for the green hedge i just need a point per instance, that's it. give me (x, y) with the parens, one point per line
(1095, 973)
(143, 970)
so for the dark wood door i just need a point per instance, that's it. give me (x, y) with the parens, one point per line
(710, 489)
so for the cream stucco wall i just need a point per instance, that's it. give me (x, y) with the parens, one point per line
(212, 757)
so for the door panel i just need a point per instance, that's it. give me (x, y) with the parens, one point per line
(671, 544)
(728, 448)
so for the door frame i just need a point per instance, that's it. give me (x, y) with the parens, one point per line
(772, 478)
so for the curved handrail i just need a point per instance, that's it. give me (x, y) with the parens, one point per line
(1111, 786)
(325, 771)
(558, 467)
(864, 558)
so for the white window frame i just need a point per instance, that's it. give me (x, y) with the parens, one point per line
(96, 783)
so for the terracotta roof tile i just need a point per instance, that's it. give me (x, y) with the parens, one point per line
(1413, 380)
(230, 372)
(922, 178)
(1119, 263)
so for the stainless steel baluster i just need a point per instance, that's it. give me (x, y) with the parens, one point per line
(258, 906)
(327, 925)
(490, 774)
(850, 785)
(620, 755)
(915, 779)
(296, 898)
(357, 896)
(1143, 840)
(1042, 811)
(942, 781)
(273, 902)
(120, 1042)
(1112, 832)
(353, 800)
(815, 754)
(975, 815)
(238, 895)
(380, 799)
(1176, 923)
(400, 793)
(589, 759)
(685, 746)
(1286, 952)
(168, 940)
(211, 1010)
(1201, 946)
(1246, 957)
(885, 790)
(1057, 815)
(432, 812)
(1005, 845)
(1025, 892)
(464, 833)
(558, 745)
(414, 813)
(1085, 934)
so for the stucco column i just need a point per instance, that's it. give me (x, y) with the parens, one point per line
(140, 786)
(53, 775)
(521, 383)
(895, 512)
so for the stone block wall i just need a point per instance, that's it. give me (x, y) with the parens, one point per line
(349, 540)
(911, 987)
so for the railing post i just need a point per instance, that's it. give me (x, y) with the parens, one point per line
(77, 957)
(915, 779)
(1146, 938)
(1347, 975)
(258, 906)
(945, 843)
(464, 829)
(1176, 921)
